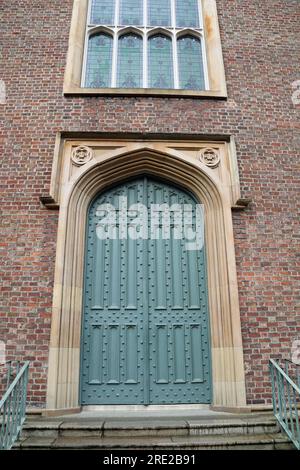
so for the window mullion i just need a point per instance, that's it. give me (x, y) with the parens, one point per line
(145, 46)
(145, 13)
(115, 46)
(175, 61)
(200, 14)
(173, 13)
(114, 60)
(117, 12)
(145, 61)
(89, 13)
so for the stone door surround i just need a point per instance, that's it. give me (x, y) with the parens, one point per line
(84, 167)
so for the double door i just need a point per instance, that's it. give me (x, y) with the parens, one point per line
(145, 335)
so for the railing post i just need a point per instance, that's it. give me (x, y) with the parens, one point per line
(274, 400)
(279, 394)
(296, 415)
(8, 374)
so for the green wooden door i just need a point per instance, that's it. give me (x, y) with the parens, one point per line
(145, 336)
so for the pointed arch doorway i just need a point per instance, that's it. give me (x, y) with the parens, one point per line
(73, 189)
(145, 335)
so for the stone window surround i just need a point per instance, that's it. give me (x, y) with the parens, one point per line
(213, 51)
(85, 166)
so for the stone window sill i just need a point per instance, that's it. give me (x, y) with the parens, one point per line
(74, 90)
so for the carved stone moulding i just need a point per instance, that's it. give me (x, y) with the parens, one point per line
(81, 155)
(210, 157)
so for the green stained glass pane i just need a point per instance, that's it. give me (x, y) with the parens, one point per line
(131, 12)
(160, 62)
(187, 13)
(99, 61)
(159, 13)
(130, 62)
(103, 12)
(190, 63)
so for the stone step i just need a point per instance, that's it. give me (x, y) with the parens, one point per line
(201, 442)
(248, 431)
(46, 428)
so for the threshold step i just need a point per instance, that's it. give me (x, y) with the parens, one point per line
(249, 442)
(151, 428)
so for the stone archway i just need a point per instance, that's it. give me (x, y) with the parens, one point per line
(226, 341)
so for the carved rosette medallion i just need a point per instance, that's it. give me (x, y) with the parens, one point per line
(210, 157)
(81, 155)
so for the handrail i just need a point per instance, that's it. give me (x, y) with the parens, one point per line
(286, 400)
(13, 406)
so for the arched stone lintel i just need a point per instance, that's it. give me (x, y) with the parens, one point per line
(228, 379)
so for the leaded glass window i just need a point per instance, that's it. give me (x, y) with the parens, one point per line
(187, 13)
(190, 67)
(99, 58)
(102, 12)
(131, 12)
(160, 62)
(159, 13)
(155, 44)
(130, 62)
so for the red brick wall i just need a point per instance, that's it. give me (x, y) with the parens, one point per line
(261, 53)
